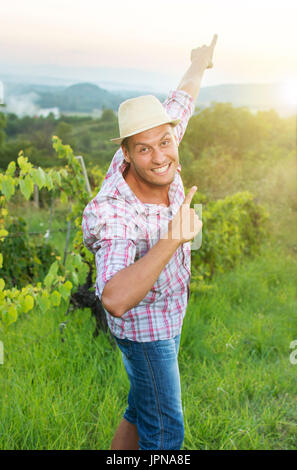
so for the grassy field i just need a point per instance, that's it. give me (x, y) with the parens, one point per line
(238, 384)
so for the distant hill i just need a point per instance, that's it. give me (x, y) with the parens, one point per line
(86, 97)
(82, 97)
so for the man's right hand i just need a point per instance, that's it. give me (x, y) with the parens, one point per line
(186, 224)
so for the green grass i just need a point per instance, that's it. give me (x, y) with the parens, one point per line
(235, 359)
(238, 385)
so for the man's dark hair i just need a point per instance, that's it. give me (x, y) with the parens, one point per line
(125, 143)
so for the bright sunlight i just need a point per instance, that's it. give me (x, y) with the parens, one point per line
(289, 91)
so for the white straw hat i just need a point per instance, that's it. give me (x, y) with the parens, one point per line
(140, 114)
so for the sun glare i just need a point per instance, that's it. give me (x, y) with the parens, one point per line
(289, 91)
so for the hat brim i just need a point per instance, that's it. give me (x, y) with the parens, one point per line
(119, 140)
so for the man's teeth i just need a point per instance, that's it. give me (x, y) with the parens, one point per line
(161, 170)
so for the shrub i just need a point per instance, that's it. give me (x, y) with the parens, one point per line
(24, 262)
(233, 227)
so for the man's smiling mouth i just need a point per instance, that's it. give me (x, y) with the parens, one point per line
(162, 170)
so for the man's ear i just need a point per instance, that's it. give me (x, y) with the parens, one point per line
(125, 152)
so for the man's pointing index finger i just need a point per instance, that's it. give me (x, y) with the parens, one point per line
(214, 40)
(190, 195)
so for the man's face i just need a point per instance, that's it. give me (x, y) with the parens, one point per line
(153, 155)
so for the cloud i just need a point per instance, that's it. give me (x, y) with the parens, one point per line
(23, 105)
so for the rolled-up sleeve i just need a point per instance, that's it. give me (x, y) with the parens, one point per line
(180, 105)
(112, 240)
(113, 256)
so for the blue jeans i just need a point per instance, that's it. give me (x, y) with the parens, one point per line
(154, 400)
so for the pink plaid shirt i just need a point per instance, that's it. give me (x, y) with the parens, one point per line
(119, 229)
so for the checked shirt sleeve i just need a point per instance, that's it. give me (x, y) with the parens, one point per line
(110, 238)
(113, 256)
(180, 105)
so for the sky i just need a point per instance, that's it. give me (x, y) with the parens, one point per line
(256, 39)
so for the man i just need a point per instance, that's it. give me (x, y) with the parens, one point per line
(139, 227)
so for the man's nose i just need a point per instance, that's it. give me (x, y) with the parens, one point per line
(158, 156)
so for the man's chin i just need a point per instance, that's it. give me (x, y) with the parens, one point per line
(168, 179)
(164, 181)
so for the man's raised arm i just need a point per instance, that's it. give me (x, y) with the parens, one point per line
(181, 107)
(201, 59)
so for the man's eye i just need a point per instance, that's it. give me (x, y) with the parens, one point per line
(143, 149)
(165, 142)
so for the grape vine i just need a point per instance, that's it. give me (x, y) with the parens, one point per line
(56, 287)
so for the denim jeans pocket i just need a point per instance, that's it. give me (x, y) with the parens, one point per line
(125, 346)
(162, 350)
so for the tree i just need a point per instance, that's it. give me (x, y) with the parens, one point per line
(64, 131)
(108, 115)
